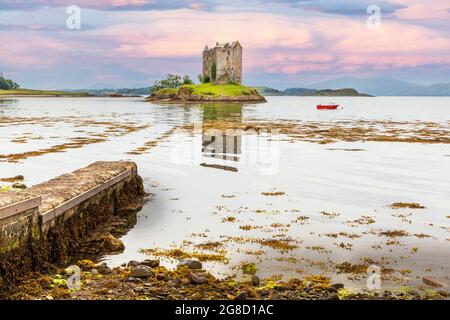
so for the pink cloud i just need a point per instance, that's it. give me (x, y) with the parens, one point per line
(273, 43)
(423, 10)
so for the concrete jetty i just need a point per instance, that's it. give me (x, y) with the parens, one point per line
(44, 224)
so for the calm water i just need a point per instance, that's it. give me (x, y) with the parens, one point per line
(194, 197)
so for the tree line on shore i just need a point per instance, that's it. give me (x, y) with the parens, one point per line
(7, 84)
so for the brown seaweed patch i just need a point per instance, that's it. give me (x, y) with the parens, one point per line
(394, 233)
(152, 143)
(409, 205)
(275, 193)
(180, 254)
(362, 220)
(75, 143)
(349, 131)
(212, 246)
(229, 219)
(282, 245)
(343, 234)
(13, 179)
(345, 149)
(330, 215)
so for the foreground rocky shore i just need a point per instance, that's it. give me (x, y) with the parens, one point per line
(147, 280)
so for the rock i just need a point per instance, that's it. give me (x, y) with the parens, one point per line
(241, 296)
(17, 185)
(197, 279)
(433, 282)
(139, 289)
(103, 269)
(133, 263)
(141, 272)
(332, 290)
(150, 263)
(333, 297)
(337, 286)
(264, 292)
(162, 276)
(112, 243)
(175, 282)
(255, 280)
(191, 264)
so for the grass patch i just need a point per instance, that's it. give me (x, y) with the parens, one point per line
(210, 89)
(29, 92)
(229, 90)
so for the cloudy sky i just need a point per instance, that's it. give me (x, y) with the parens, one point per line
(287, 43)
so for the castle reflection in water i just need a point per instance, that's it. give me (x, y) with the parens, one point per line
(218, 142)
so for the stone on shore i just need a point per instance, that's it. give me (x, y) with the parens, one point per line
(191, 264)
(113, 244)
(132, 263)
(141, 271)
(150, 263)
(433, 282)
(255, 280)
(197, 279)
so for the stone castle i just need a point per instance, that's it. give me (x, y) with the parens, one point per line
(223, 63)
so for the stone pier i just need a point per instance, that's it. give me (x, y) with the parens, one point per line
(44, 225)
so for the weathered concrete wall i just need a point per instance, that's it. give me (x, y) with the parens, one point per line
(72, 207)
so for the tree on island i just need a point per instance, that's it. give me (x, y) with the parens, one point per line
(7, 84)
(172, 81)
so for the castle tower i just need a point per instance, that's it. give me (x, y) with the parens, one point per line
(223, 63)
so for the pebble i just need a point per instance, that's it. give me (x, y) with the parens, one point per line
(255, 280)
(141, 272)
(133, 263)
(241, 296)
(104, 270)
(337, 286)
(150, 263)
(191, 264)
(196, 279)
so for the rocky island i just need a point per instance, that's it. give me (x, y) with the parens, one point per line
(207, 92)
(220, 81)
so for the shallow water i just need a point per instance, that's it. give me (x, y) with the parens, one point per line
(200, 178)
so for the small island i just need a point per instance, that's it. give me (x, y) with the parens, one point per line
(220, 81)
(307, 92)
(347, 92)
(207, 92)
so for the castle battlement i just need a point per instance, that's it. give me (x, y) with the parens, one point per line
(226, 59)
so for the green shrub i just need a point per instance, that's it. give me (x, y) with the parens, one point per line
(213, 72)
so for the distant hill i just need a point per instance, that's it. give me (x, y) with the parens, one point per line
(267, 91)
(145, 91)
(347, 92)
(385, 87)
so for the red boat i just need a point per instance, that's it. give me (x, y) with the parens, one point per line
(327, 106)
